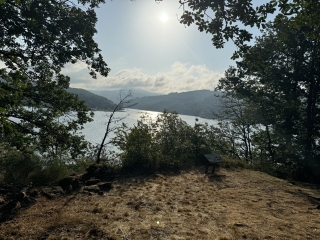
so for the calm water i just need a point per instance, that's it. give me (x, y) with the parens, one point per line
(94, 131)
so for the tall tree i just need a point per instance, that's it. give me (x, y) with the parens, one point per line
(37, 39)
(280, 75)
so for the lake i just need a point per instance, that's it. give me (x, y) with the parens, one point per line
(94, 131)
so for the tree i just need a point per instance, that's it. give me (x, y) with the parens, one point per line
(237, 124)
(231, 20)
(280, 77)
(124, 102)
(37, 39)
(137, 146)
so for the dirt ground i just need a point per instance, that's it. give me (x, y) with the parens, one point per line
(231, 204)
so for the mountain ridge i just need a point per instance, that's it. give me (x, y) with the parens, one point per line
(93, 101)
(114, 95)
(200, 103)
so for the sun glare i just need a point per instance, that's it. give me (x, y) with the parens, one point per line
(164, 17)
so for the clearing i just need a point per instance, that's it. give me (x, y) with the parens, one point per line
(231, 204)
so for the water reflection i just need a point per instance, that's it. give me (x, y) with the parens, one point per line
(94, 131)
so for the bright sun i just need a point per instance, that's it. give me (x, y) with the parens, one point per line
(164, 17)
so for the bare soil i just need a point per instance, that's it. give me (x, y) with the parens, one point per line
(231, 204)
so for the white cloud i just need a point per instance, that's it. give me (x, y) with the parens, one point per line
(181, 77)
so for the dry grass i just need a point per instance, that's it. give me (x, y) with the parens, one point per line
(239, 204)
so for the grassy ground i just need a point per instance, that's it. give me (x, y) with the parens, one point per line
(232, 204)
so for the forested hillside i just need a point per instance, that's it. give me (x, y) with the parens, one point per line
(201, 103)
(93, 101)
(114, 95)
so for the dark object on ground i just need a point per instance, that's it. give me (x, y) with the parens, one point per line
(70, 184)
(98, 172)
(12, 199)
(96, 180)
(213, 160)
(214, 166)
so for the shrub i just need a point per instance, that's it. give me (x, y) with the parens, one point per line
(164, 144)
(137, 149)
(17, 167)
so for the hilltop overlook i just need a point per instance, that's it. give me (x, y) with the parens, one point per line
(231, 204)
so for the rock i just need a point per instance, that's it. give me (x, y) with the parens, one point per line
(98, 172)
(93, 188)
(92, 182)
(52, 192)
(28, 201)
(87, 193)
(34, 193)
(58, 190)
(14, 197)
(22, 194)
(105, 186)
(10, 207)
(69, 184)
(48, 195)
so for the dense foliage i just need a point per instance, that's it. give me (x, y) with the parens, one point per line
(164, 143)
(37, 39)
(278, 79)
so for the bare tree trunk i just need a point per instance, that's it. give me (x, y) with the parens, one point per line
(122, 102)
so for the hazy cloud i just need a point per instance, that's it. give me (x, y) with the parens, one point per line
(180, 77)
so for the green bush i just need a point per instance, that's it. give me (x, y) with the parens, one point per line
(51, 173)
(234, 163)
(137, 148)
(26, 167)
(16, 167)
(164, 144)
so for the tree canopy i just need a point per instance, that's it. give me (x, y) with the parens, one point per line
(279, 77)
(37, 38)
(231, 20)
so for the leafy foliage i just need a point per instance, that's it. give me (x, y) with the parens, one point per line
(37, 38)
(231, 20)
(279, 80)
(163, 143)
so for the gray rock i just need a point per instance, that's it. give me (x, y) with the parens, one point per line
(91, 182)
(69, 184)
(93, 188)
(105, 186)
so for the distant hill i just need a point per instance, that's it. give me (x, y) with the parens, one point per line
(199, 103)
(92, 100)
(113, 95)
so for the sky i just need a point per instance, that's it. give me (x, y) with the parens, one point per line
(147, 48)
